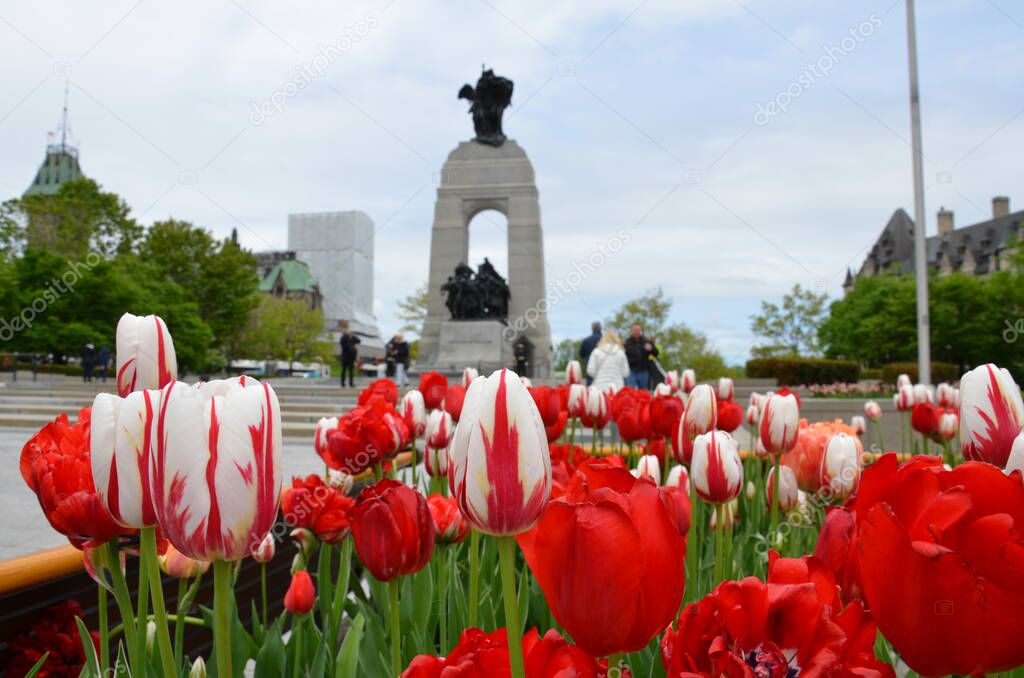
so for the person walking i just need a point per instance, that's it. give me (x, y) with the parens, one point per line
(398, 352)
(607, 366)
(88, 360)
(349, 355)
(102, 361)
(640, 351)
(588, 345)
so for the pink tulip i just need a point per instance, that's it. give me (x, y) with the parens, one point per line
(991, 414)
(216, 471)
(145, 354)
(500, 472)
(716, 469)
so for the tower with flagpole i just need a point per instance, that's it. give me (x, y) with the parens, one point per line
(61, 162)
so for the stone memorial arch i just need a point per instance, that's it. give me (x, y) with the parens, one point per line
(476, 177)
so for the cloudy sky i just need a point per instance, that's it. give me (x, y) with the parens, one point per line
(745, 145)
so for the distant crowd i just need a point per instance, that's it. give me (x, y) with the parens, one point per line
(612, 363)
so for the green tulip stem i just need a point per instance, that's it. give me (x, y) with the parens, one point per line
(396, 628)
(414, 463)
(296, 641)
(147, 536)
(668, 460)
(474, 576)
(142, 613)
(513, 626)
(878, 432)
(179, 622)
(124, 601)
(222, 593)
(101, 604)
(719, 528)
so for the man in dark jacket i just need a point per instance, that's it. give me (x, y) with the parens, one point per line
(640, 353)
(587, 347)
(349, 354)
(88, 360)
(398, 351)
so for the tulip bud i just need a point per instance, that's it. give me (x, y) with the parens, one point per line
(788, 490)
(468, 375)
(176, 564)
(573, 373)
(304, 539)
(678, 477)
(150, 635)
(873, 410)
(904, 398)
(716, 467)
(751, 490)
(991, 414)
(500, 470)
(730, 509)
(414, 412)
(340, 480)
(97, 565)
(198, 669)
(324, 428)
(649, 467)
(780, 423)
(699, 416)
(577, 403)
(840, 465)
(688, 380)
(1015, 462)
(145, 354)
(903, 380)
(450, 526)
(725, 388)
(264, 551)
(753, 415)
(301, 595)
(858, 424)
(949, 424)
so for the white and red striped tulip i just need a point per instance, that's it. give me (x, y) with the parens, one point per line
(663, 390)
(945, 395)
(949, 424)
(858, 425)
(596, 403)
(687, 380)
(780, 423)
(440, 429)
(121, 443)
(753, 415)
(176, 564)
(468, 375)
(725, 388)
(757, 400)
(649, 467)
(145, 354)
(1015, 462)
(840, 464)
(324, 428)
(872, 410)
(672, 379)
(903, 380)
(699, 416)
(500, 468)
(788, 490)
(923, 394)
(414, 411)
(340, 480)
(573, 372)
(264, 551)
(678, 477)
(991, 414)
(435, 460)
(716, 469)
(216, 471)
(577, 401)
(903, 399)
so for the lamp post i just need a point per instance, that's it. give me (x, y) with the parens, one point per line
(920, 255)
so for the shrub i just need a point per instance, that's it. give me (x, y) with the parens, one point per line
(801, 371)
(940, 372)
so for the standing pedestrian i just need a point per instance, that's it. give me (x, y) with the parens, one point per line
(349, 355)
(640, 351)
(398, 352)
(607, 366)
(102, 361)
(588, 345)
(88, 360)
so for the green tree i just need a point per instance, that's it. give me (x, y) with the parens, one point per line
(790, 328)
(412, 310)
(286, 329)
(680, 346)
(566, 350)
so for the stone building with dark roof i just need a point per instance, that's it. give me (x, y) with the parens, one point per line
(291, 279)
(978, 249)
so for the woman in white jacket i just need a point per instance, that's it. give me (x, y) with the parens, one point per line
(607, 365)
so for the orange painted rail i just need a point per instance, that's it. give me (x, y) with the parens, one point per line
(37, 568)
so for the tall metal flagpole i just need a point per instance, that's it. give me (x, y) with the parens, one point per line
(920, 256)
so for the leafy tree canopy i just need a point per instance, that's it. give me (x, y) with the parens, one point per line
(791, 327)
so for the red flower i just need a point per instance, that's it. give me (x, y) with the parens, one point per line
(632, 414)
(793, 625)
(314, 505)
(806, 456)
(548, 403)
(54, 632)
(561, 469)
(924, 418)
(554, 431)
(450, 526)
(57, 466)
(837, 549)
(485, 655)
(666, 411)
(434, 387)
(453, 400)
(366, 435)
(393, 530)
(301, 596)
(953, 603)
(610, 559)
(381, 388)
(730, 415)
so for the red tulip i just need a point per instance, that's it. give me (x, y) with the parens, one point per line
(610, 559)
(392, 529)
(55, 464)
(453, 401)
(322, 509)
(730, 415)
(665, 413)
(555, 430)
(631, 412)
(301, 595)
(954, 604)
(548, 404)
(450, 526)
(434, 387)
(836, 547)
(381, 388)
(792, 625)
(365, 436)
(923, 418)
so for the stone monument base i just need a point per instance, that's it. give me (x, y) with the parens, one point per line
(483, 344)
